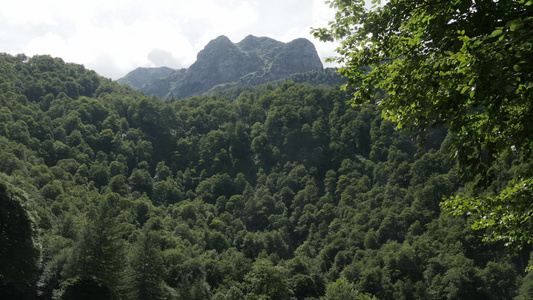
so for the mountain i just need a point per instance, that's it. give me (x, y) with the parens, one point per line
(327, 78)
(252, 61)
(141, 76)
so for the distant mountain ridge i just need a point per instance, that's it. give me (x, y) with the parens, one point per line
(139, 77)
(252, 61)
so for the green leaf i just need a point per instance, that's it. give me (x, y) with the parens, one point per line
(512, 25)
(446, 83)
(496, 32)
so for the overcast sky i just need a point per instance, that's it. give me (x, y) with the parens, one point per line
(114, 37)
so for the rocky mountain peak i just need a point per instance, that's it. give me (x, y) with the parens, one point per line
(219, 45)
(254, 60)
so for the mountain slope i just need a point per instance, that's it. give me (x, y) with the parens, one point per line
(141, 76)
(252, 61)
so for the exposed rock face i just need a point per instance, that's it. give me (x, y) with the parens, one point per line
(254, 60)
(219, 62)
(161, 87)
(297, 56)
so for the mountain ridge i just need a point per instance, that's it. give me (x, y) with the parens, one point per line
(253, 60)
(140, 76)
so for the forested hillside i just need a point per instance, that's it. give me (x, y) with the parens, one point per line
(268, 192)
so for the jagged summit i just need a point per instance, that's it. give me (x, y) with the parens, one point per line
(251, 43)
(222, 42)
(254, 60)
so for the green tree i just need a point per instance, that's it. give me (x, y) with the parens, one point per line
(99, 174)
(344, 290)
(166, 192)
(99, 249)
(117, 168)
(266, 281)
(146, 269)
(18, 254)
(526, 289)
(466, 65)
(500, 280)
(86, 288)
(162, 172)
(119, 185)
(140, 180)
(234, 293)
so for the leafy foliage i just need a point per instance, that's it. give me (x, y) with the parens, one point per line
(268, 192)
(465, 65)
(18, 253)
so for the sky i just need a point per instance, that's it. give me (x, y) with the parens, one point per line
(114, 37)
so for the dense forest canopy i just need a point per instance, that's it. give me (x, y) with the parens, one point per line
(462, 64)
(269, 192)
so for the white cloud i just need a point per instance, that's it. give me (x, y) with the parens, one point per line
(322, 15)
(160, 57)
(47, 43)
(117, 36)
